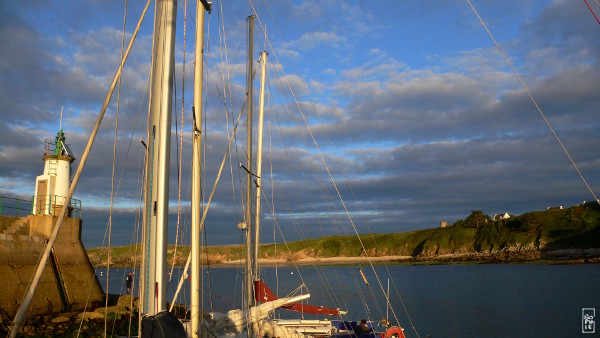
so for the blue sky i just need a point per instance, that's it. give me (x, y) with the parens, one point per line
(417, 114)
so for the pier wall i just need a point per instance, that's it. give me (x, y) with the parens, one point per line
(68, 276)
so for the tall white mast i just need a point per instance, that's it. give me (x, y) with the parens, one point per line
(261, 110)
(197, 167)
(248, 277)
(153, 284)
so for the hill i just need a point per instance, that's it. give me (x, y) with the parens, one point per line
(551, 234)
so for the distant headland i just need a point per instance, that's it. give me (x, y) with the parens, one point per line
(557, 235)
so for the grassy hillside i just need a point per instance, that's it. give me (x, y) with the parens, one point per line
(576, 227)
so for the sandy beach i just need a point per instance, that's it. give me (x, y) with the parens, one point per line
(552, 256)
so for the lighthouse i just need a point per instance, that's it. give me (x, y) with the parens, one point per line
(52, 186)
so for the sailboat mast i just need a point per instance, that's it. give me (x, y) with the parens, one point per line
(197, 167)
(248, 277)
(261, 110)
(153, 285)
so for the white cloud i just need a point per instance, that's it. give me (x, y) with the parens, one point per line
(311, 40)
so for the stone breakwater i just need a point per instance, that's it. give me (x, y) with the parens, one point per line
(68, 282)
(121, 316)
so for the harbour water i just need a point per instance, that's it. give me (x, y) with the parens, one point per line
(485, 300)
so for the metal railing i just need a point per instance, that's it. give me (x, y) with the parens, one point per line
(53, 203)
(8, 204)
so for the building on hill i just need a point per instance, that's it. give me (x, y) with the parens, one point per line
(498, 217)
(589, 204)
(443, 224)
(560, 207)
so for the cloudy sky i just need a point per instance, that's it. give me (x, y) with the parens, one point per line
(415, 111)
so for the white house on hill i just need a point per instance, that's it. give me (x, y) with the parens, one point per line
(498, 217)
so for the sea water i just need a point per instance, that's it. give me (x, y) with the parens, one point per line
(480, 300)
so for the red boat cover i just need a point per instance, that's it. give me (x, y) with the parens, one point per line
(263, 294)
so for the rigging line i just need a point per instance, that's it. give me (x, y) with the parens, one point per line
(228, 87)
(128, 151)
(371, 291)
(323, 160)
(181, 142)
(287, 207)
(384, 263)
(117, 193)
(137, 234)
(205, 248)
(591, 10)
(112, 183)
(361, 294)
(126, 159)
(287, 157)
(534, 102)
(272, 198)
(281, 233)
(140, 235)
(597, 3)
(298, 229)
(231, 109)
(339, 229)
(285, 203)
(174, 113)
(223, 44)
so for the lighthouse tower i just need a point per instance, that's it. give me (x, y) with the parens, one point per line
(52, 186)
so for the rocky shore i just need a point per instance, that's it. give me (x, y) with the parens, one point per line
(567, 256)
(121, 320)
(507, 255)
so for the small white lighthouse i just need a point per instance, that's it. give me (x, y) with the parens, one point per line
(52, 186)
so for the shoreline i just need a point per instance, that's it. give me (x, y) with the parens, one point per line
(563, 256)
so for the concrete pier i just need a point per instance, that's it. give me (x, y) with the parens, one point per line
(68, 277)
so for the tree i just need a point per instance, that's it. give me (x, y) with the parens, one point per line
(475, 220)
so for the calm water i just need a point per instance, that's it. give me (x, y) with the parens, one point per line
(505, 300)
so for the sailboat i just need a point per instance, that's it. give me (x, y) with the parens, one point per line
(260, 301)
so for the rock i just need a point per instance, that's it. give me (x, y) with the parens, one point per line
(90, 315)
(60, 319)
(29, 330)
(111, 309)
(125, 302)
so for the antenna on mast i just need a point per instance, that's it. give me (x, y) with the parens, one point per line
(60, 123)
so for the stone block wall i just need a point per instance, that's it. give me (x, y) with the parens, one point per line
(19, 255)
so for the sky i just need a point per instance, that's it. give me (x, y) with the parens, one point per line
(413, 108)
